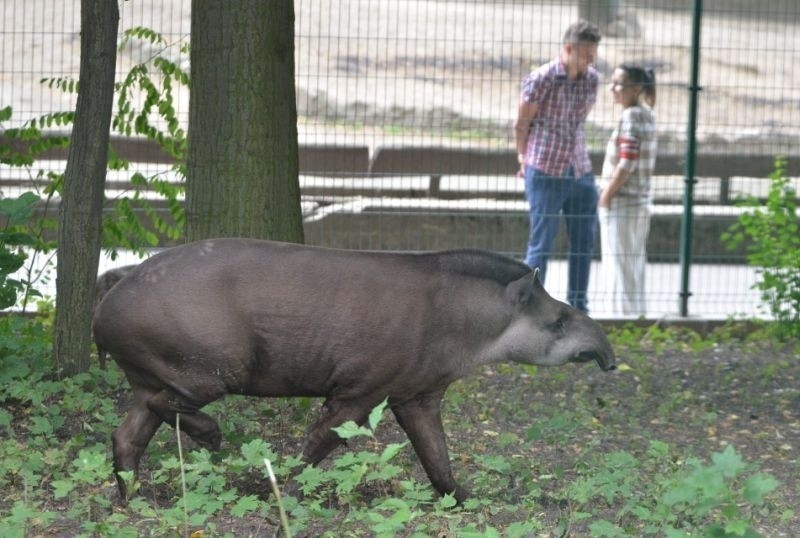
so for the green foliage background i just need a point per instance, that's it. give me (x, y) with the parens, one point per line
(772, 233)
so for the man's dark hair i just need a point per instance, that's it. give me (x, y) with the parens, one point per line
(582, 32)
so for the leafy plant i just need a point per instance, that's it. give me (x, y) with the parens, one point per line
(145, 107)
(353, 469)
(676, 499)
(21, 236)
(721, 493)
(14, 217)
(772, 234)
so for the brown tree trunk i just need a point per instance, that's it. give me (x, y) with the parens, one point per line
(242, 170)
(80, 213)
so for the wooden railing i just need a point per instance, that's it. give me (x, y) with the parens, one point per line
(432, 164)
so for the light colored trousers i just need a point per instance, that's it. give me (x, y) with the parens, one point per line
(623, 238)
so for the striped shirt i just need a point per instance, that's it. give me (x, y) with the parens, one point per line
(632, 146)
(556, 139)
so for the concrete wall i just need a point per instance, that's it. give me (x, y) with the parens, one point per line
(507, 233)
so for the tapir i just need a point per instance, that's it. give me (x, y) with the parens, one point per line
(242, 316)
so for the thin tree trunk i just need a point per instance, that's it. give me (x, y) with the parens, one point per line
(80, 213)
(242, 172)
(599, 12)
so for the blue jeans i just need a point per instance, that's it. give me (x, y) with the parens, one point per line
(576, 198)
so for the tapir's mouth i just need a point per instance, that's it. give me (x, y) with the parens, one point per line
(605, 363)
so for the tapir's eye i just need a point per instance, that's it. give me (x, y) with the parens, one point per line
(558, 325)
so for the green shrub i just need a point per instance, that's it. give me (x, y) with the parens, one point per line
(771, 232)
(145, 107)
(664, 497)
(14, 237)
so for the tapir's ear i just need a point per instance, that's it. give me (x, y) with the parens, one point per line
(521, 291)
(537, 281)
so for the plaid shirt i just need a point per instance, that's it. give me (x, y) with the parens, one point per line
(632, 146)
(556, 139)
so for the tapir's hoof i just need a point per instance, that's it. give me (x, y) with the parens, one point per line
(126, 490)
(460, 494)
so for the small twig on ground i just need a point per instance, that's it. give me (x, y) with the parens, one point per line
(277, 492)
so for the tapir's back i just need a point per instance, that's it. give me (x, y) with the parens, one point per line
(210, 287)
(245, 277)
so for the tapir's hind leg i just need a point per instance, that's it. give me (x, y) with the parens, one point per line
(130, 439)
(421, 419)
(150, 408)
(203, 429)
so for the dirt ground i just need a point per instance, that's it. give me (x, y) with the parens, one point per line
(746, 396)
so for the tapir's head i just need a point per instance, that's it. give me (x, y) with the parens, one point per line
(547, 332)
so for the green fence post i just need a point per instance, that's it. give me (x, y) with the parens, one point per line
(687, 223)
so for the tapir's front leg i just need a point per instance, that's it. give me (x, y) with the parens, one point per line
(321, 439)
(422, 421)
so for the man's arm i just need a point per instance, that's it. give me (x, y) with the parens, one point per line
(527, 111)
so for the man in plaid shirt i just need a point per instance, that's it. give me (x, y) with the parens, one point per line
(551, 146)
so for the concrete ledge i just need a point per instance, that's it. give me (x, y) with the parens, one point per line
(703, 326)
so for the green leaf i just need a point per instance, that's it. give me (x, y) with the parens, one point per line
(5, 419)
(391, 451)
(350, 429)
(376, 414)
(606, 529)
(248, 503)
(757, 486)
(310, 478)
(447, 501)
(20, 209)
(40, 426)
(736, 528)
(658, 449)
(62, 488)
(729, 463)
(256, 450)
(521, 530)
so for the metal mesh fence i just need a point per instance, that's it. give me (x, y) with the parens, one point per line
(406, 113)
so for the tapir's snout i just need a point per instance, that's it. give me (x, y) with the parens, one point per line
(604, 359)
(595, 345)
(608, 365)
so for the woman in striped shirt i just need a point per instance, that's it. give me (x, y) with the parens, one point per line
(624, 206)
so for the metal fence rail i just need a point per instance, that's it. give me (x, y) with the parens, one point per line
(406, 111)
